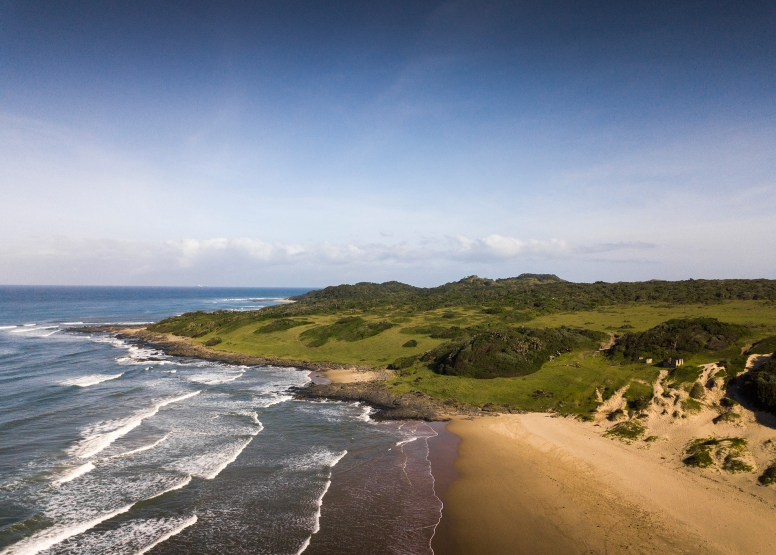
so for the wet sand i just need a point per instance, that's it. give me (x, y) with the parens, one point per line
(533, 484)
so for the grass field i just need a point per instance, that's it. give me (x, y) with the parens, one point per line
(567, 384)
(758, 315)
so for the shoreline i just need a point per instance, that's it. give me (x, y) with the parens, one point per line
(337, 382)
(174, 345)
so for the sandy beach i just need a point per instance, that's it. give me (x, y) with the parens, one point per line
(536, 484)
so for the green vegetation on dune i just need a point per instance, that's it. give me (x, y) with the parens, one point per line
(535, 337)
(769, 476)
(677, 338)
(507, 352)
(353, 328)
(638, 396)
(629, 430)
(759, 385)
(726, 452)
(764, 346)
(282, 324)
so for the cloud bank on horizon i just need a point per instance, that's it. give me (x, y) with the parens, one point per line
(308, 143)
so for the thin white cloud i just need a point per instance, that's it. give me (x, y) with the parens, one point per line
(66, 260)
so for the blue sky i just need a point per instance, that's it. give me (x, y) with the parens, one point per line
(311, 143)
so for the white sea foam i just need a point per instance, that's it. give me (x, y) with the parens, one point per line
(74, 473)
(96, 442)
(144, 448)
(304, 546)
(322, 458)
(332, 461)
(92, 379)
(209, 465)
(59, 533)
(266, 402)
(131, 538)
(213, 378)
(56, 534)
(365, 412)
(177, 530)
(28, 328)
(7, 327)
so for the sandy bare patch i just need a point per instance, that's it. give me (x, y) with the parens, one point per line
(537, 484)
(353, 375)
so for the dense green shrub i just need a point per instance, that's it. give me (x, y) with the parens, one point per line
(685, 374)
(504, 352)
(213, 341)
(734, 464)
(436, 331)
(544, 293)
(631, 429)
(518, 316)
(697, 391)
(769, 476)
(353, 328)
(764, 346)
(281, 324)
(759, 386)
(638, 396)
(678, 337)
(411, 343)
(691, 405)
(699, 453)
(402, 363)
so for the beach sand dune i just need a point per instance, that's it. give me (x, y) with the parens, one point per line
(534, 484)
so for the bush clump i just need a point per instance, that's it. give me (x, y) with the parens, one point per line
(727, 416)
(402, 363)
(769, 476)
(518, 316)
(436, 331)
(638, 396)
(701, 453)
(764, 346)
(281, 324)
(734, 464)
(678, 337)
(697, 391)
(684, 374)
(691, 405)
(631, 429)
(759, 386)
(212, 342)
(411, 343)
(353, 328)
(504, 352)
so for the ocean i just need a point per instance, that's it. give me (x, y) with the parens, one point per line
(107, 446)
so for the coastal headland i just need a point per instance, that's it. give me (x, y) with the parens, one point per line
(594, 418)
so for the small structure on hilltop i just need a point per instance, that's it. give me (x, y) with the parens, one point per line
(648, 361)
(673, 362)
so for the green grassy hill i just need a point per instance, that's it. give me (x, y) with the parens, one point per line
(535, 338)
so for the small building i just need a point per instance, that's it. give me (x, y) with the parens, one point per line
(673, 362)
(648, 361)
